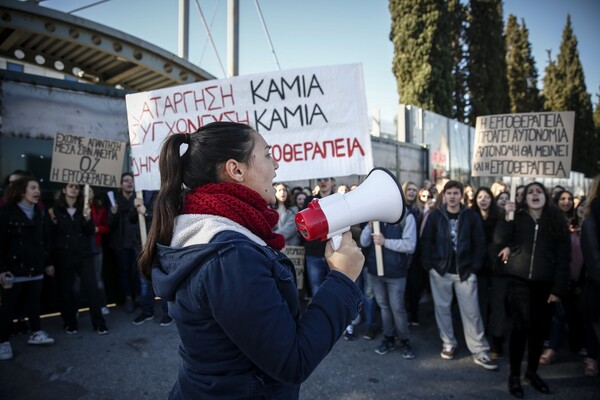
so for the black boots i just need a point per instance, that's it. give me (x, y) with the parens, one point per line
(534, 380)
(514, 386)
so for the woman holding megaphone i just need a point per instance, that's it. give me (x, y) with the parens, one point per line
(212, 254)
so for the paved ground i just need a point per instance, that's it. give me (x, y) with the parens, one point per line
(140, 362)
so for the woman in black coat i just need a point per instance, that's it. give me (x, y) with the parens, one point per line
(22, 256)
(590, 244)
(536, 248)
(70, 230)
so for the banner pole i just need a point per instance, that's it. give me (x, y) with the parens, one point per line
(378, 250)
(513, 195)
(141, 219)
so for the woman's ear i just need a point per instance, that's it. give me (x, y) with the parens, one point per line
(234, 171)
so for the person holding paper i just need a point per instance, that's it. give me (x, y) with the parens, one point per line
(212, 254)
(23, 256)
(453, 251)
(398, 242)
(69, 233)
(536, 249)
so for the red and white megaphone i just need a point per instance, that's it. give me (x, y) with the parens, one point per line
(378, 198)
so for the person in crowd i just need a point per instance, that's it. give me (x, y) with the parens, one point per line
(299, 200)
(144, 207)
(491, 281)
(453, 251)
(425, 199)
(24, 260)
(398, 242)
(536, 248)
(316, 265)
(519, 195)
(125, 240)
(343, 189)
(570, 314)
(13, 176)
(499, 187)
(416, 279)
(286, 225)
(555, 190)
(232, 294)
(590, 245)
(100, 218)
(502, 198)
(20, 325)
(69, 232)
(469, 196)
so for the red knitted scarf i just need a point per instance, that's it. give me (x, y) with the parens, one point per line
(239, 204)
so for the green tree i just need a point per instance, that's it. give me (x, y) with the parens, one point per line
(521, 72)
(565, 90)
(422, 63)
(457, 17)
(488, 87)
(597, 126)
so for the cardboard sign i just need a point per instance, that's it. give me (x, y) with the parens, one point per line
(315, 120)
(87, 160)
(296, 254)
(529, 145)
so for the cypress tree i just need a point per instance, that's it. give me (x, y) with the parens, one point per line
(568, 92)
(422, 61)
(488, 86)
(521, 72)
(457, 17)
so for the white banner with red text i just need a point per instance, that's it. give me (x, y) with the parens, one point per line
(315, 120)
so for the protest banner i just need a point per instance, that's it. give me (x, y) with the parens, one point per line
(315, 119)
(87, 160)
(527, 145)
(296, 255)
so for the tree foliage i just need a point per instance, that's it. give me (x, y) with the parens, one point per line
(488, 87)
(521, 72)
(422, 60)
(565, 90)
(457, 17)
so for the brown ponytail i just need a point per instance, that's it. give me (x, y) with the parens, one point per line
(208, 148)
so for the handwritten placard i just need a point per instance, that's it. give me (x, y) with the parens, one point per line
(85, 159)
(529, 145)
(296, 255)
(315, 119)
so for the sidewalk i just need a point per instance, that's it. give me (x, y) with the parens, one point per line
(141, 362)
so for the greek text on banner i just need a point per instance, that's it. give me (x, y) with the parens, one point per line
(529, 145)
(315, 119)
(84, 159)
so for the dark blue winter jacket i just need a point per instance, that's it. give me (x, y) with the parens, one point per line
(436, 243)
(235, 303)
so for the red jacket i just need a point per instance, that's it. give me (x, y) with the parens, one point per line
(100, 217)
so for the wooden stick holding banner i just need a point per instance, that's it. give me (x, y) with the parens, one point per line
(378, 250)
(141, 218)
(86, 196)
(513, 195)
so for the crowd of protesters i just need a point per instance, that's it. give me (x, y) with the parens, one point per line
(519, 273)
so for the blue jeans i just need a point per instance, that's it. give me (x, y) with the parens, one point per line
(389, 293)
(147, 298)
(317, 269)
(368, 298)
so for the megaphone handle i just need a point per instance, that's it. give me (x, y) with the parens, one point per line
(336, 242)
(336, 238)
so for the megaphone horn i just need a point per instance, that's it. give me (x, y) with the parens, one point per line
(378, 198)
